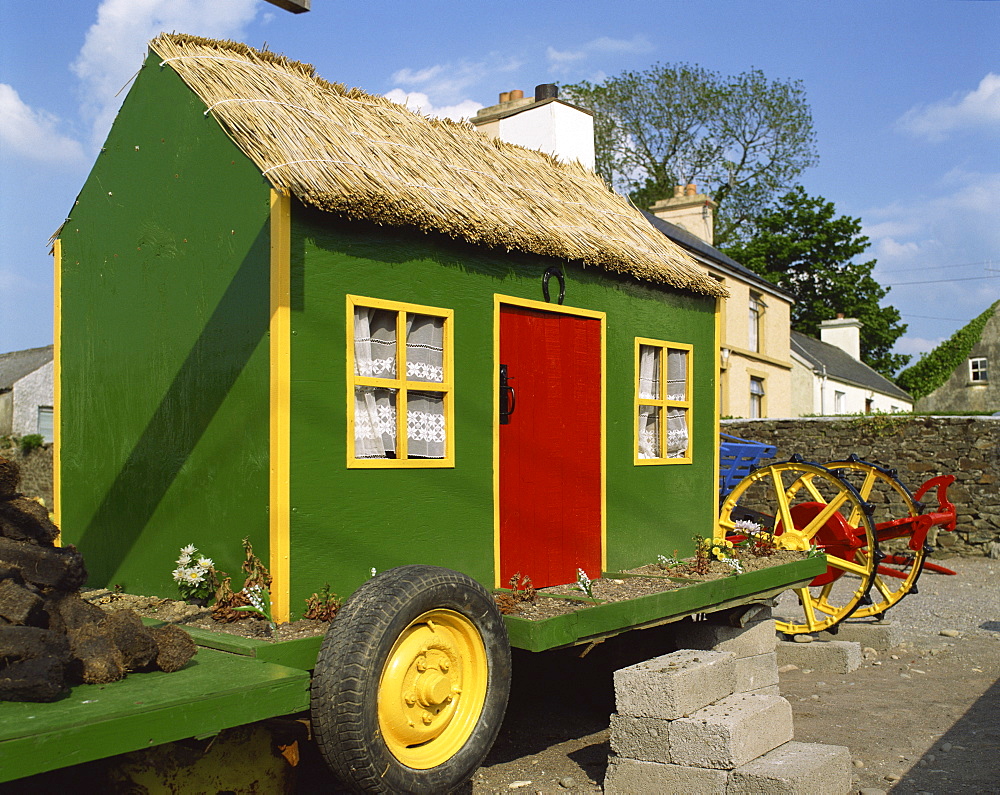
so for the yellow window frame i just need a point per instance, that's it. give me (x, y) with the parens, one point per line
(663, 347)
(402, 384)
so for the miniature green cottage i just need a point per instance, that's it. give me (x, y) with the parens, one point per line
(308, 317)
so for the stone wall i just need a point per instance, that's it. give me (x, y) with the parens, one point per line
(918, 447)
(36, 469)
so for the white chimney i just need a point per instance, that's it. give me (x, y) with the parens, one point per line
(692, 211)
(844, 333)
(542, 122)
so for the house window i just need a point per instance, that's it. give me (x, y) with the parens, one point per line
(45, 422)
(399, 385)
(756, 398)
(978, 373)
(754, 328)
(662, 402)
(839, 402)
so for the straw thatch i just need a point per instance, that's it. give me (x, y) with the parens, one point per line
(368, 158)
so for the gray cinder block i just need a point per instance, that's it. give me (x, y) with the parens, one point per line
(795, 769)
(881, 636)
(830, 656)
(673, 685)
(632, 776)
(753, 639)
(640, 738)
(753, 673)
(731, 732)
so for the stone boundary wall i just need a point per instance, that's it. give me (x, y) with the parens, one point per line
(918, 447)
(36, 470)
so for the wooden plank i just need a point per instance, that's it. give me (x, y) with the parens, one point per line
(215, 691)
(612, 618)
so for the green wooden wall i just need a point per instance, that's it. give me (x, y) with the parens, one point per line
(164, 402)
(345, 522)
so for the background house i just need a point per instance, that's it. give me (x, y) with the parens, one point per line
(754, 322)
(828, 376)
(974, 383)
(26, 392)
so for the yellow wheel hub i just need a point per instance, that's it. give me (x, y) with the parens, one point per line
(432, 689)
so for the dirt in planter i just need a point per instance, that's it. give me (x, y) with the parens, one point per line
(617, 589)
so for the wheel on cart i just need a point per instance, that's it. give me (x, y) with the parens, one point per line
(805, 505)
(411, 683)
(898, 571)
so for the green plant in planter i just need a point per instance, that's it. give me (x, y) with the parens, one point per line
(195, 575)
(31, 441)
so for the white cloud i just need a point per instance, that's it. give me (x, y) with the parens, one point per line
(914, 346)
(977, 108)
(421, 103)
(116, 44)
(33, 133)
(561, 61)
(450, 83)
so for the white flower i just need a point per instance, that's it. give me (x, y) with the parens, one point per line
(747, 526)
(189, 550)
(178, 575)
(194, 576)
(205, 563)
(183, 560)
(373, 571)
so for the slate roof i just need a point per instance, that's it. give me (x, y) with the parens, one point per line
(841, 366)
(17, 364)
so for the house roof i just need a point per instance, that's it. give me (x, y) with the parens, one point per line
(366, 157)
(839, 365)
(17, 364)
(711, 255)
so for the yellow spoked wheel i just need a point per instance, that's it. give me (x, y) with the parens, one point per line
(411, 682)
(433, 688)
(805, 505)
(897, 572)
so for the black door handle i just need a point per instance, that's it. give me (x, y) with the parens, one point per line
(508, 398)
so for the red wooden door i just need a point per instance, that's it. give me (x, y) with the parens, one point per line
(550, 449)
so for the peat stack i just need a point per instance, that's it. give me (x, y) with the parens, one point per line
(50, 637)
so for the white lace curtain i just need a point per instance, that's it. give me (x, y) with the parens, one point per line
(650, 416)
(375, 408)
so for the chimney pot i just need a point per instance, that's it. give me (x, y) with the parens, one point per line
(504, 97)
(516, 94)
(546, 91)
(840, 316)
(678, 191)
(690, 190)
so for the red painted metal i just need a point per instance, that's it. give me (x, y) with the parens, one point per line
(836, 537)
(550, 451)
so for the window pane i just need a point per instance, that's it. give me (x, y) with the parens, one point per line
(677, 432)
(374, 342)
(425, 427)
(649, 372)
(649, 432)
(676, 375)
(374, 422)
(425, 348)
(45, 422)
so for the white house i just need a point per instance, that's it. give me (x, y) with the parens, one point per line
(828, 376)
(26, 392)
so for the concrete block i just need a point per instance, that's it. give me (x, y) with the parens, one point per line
(770, 690)
(632, 776)
(881, 635)
(753, 673)
(674, 684)
(748, 641)
(795, 769)
(640, 738)
(731, 732)
(829, 656)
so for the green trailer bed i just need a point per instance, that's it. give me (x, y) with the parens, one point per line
(233, 680)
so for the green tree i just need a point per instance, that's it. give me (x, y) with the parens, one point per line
(744, 139)
(804, 247)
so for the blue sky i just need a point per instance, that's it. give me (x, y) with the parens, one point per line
(905, 96)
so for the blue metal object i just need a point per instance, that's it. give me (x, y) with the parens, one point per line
(738, 458)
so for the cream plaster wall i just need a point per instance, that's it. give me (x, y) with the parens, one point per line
(34, 390)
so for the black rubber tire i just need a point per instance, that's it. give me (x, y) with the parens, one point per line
(344, 698)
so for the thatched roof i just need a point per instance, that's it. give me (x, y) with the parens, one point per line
(365, 157)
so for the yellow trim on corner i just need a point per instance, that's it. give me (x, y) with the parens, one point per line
(279, 496)
(57, 386)
(719, 533)
(664, 403)
(401, 384)
(559, 309)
